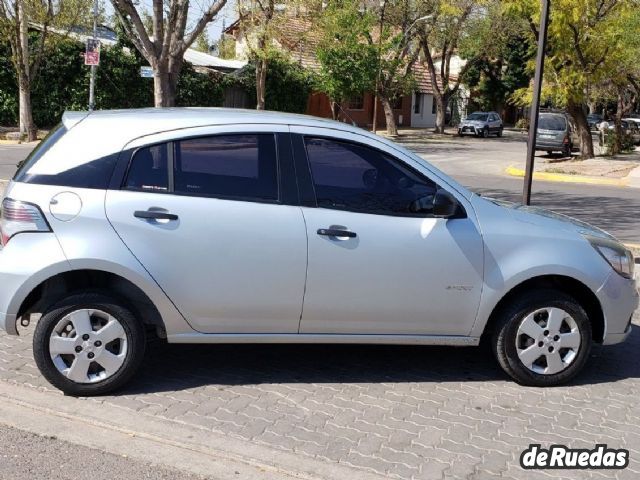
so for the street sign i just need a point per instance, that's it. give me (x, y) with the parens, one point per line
(146, 72)
(92, 54)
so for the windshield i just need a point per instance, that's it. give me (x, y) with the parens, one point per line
(478, 116)
(552, 122)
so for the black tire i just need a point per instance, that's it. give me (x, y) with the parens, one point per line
(567, 151)
(509, 319)
(500, 133)
(485, 133)
(135, 338)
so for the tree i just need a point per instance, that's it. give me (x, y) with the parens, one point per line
(442, 37)
(165, 45)
(202, 43)
(348, 59)
(587, 41)
(396, 58)
(15, 18)
(258, 24)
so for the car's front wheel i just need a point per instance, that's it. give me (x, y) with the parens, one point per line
(485, 133)
(543, 338)
(88, 344)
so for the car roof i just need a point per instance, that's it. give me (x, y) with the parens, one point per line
(146, 121)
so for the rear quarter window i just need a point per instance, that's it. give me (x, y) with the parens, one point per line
(94, 173)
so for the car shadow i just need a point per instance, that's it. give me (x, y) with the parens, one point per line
(178, 367)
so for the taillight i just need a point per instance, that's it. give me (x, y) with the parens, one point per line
(20, 217)
(566, 140)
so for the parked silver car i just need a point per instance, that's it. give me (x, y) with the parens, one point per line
(231, 226)
(481, 124)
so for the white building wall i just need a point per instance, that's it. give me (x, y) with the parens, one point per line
(424, 118)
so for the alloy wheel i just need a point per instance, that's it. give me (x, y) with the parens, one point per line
(88, 345)
(548, 341)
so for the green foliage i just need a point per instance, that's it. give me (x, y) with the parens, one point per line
(63, 84)
(495, 80)
(610, 143)
(348, 60)
(590, 43)
(227, 47)
(287, 88)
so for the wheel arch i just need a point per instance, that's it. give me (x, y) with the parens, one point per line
(53, 289)
(569, 285)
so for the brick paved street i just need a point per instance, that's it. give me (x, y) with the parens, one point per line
(402, 412)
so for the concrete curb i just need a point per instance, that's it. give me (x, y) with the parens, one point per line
(95, 423)
(566, 178)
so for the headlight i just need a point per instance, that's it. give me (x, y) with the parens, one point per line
(620, 259)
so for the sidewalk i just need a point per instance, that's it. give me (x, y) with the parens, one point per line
(621, 170)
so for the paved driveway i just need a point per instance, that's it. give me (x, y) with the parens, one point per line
(401, 412)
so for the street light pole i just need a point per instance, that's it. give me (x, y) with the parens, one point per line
(92, 80)
(535, 103)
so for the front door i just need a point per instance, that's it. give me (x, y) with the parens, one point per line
(379, 262)
(204, 216)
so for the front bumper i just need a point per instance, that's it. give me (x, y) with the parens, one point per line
(619, 299)
(469, 130)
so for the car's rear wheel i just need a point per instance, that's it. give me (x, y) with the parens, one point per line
(88, 344)
(543, 338)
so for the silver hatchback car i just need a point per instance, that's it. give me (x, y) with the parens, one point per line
(231, 226)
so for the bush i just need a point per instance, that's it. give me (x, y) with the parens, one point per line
(63, 84)
(522, 123)
(626, 144)
(287, 89)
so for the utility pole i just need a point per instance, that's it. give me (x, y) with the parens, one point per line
(535, 103)
(92, 80)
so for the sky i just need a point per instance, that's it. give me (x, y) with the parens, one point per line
(227, 14)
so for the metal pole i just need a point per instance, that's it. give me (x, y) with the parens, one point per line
(92, 80)
(535, 103)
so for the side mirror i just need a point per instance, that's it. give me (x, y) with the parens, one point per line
(445, 205)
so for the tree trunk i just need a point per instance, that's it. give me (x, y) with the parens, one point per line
(334, 110)
(164, 87)
(261, 83)
(576, 110)
(617, 139)
(27, 127)
(441, 112)
(392, 128)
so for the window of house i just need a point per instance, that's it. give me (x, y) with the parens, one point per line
(148, 169)
(349, 176)
(229, 166)
(417, 107)
(356, 103)
(434, 106)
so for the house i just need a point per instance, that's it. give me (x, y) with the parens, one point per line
(296, 37)
(201, 61)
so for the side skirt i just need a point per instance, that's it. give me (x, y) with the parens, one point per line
(452, 340)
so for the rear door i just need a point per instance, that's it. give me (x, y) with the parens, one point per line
(209, 217)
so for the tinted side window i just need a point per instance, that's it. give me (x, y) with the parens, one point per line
(353, 177)
(94, 173)
(233, 166)
(148, 170)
